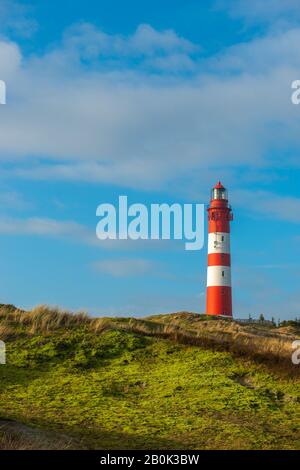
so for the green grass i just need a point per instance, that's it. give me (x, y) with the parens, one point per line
(124, 390)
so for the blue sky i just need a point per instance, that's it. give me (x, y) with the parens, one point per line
(155, 100)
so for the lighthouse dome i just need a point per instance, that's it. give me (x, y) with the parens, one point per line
(219, 192)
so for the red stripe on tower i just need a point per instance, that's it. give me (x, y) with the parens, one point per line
(219, 297)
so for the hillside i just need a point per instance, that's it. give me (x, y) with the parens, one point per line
(164, 382)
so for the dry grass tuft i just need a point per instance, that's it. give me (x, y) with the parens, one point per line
(7, 332)
(44, 319)
(98, 325)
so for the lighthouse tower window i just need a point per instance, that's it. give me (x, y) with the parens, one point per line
(222, 273)
(222, 238)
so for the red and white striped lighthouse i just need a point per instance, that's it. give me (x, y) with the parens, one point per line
(219, 297)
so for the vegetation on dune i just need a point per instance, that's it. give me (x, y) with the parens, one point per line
(122, 383)
(258, 341)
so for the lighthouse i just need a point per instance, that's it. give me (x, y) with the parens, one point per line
(219, 296)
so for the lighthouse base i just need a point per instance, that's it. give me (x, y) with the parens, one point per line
(219, 301)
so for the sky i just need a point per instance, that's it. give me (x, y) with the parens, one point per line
(156, 100)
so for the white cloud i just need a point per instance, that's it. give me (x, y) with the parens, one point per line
(147, 40)
(266, 11)
(10, 59)
(83, 43)
(268, 204)
(78, 233)
(127, 267)
(13, 200)
(15, 19)
(47, 227)
(132, 173)
(262, 55)
(122, 124)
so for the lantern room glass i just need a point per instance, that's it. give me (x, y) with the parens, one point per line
(219, 193)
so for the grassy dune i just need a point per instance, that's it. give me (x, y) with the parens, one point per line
(165, 382)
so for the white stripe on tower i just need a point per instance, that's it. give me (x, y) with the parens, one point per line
(219, 276)
(218, 242)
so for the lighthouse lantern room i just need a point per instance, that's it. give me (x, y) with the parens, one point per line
(219, 295)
